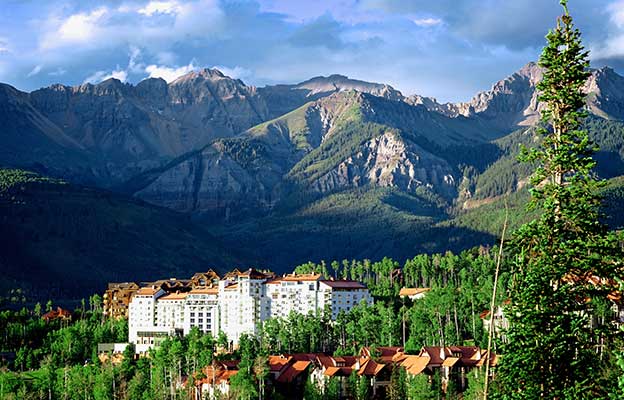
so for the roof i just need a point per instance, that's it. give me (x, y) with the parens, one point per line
(370, 368)
(412, 291)
(276, 363)
(414, 365)
(147, 291)
(437, 354)
(450, 361)
(58, 313)
(301, 277)
(253, 273)
(338, 371)
(326, 361)
(388, 354)
(217, 375)
(173, 296)
(210, 274)
(204, 290)
(122, 285)
(343, 284)
(293, 371)
(469, 356)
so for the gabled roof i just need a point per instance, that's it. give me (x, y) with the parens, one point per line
(370, 368)
(326, 361)
(123, 285)
(293, 371)
(56, 314)
(438, 354)
(469, 356)
(232, 274)
(276, 363)
(216, 376)
(450, 361)
(414, 365)
(209, 275)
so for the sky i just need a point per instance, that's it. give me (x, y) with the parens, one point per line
(448, 49)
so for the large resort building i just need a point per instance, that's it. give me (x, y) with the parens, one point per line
(236, 304)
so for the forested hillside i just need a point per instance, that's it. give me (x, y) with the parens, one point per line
(64, 241)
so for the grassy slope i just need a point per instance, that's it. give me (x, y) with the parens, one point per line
(67, 241)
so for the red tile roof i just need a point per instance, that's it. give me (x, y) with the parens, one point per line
(370, 368)
(293, 371)
(338, 371)
(414, 365)
(276, 363)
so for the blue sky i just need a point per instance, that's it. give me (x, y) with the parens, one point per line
(448, 49)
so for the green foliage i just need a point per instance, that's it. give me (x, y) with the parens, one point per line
(12, 178)
(419, 388)
(551, 351)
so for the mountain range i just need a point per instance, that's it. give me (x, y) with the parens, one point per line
(329, 168)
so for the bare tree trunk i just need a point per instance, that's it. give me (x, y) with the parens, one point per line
(492, 304)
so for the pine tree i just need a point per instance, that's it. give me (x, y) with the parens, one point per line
(565, 261)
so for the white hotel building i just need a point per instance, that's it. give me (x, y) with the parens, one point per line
(239, 304)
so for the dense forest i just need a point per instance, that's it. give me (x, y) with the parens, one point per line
(59, 360)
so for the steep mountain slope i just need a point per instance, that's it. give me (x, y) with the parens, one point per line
(346, 140)
(328, 168)
(60, 241)
(135, 128)
(30, 139)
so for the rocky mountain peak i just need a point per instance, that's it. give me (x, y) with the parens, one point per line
(202, 74)
(336, 82)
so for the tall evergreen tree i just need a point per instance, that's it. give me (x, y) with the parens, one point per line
(565, 261)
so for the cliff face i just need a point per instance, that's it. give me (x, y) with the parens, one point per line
(343, 141)
(135, 128)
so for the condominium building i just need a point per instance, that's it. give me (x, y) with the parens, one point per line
(117, 298)
(236, 304)
(202, 310)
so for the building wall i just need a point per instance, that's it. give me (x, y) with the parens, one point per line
(201, 310)
(170, 313)
(141, 313)
(240, 305)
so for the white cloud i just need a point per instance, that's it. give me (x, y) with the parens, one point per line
(169, 74)
(77, 29)
(613, 46)
(134, 64)
(237, 72)
(34, 71)
(156, 25)
(101, 76)
(160, 7)
(427, 22)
